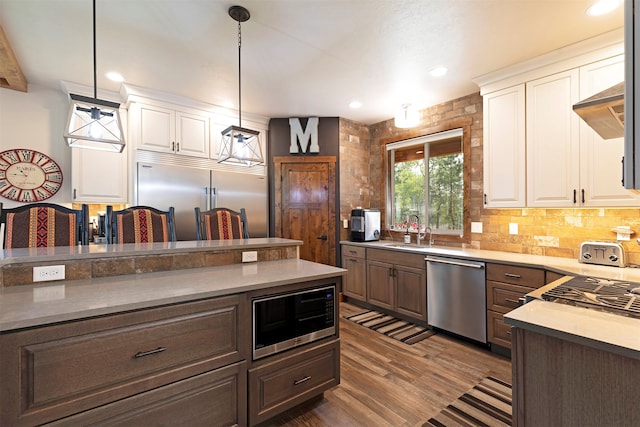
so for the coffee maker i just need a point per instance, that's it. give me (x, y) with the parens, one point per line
(365, 225)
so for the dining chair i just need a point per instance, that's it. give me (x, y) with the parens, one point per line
(221, 224)
(140, 224)
(38, 225)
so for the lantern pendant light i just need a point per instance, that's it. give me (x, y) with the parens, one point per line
(94, 123)
(240, 145)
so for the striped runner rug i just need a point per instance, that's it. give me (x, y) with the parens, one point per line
(393, 327)
(486, 404)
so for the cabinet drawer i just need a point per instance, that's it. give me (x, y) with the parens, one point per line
(60, 370)
(215, 398)
(503, 297)
(354, 251)
(498, 332)
(288, 381)
(523, 276)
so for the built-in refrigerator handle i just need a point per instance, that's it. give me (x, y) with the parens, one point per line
(207, 203)
(213, 199)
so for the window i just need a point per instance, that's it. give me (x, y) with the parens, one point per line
(426, 184)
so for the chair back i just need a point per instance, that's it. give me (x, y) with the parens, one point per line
(221, 224)
(140, 224)
(39, 225)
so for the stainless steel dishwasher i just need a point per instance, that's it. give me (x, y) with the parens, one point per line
(456, 297)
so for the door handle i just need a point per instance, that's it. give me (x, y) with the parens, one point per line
(322, 238)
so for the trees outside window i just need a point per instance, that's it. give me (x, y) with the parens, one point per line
(434, 193)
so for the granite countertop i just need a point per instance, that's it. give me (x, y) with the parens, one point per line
(45, 303)
(557, 264)
(64, 253)
(605, 331)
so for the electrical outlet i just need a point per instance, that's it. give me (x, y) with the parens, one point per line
(249, 256)
(49, 272)
(513, 228)
(345, 223)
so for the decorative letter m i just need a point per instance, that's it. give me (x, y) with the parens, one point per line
(310, 133)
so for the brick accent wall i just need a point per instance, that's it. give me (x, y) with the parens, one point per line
(552, 232)
(354, 169)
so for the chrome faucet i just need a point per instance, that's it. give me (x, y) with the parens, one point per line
(418, 235)
(428, 229)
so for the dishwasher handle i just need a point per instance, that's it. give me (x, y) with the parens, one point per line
(460, 263)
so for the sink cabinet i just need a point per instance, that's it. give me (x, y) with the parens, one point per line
(397, 281)
(355, 283)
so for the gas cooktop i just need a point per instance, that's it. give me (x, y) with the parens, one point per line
(600, 294)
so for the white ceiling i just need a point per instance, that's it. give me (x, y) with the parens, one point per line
(299, 57)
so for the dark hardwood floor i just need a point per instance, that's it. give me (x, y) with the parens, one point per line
(385, 382)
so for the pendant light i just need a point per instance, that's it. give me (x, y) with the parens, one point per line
(407, 117)
(240, 145)
(94, 123)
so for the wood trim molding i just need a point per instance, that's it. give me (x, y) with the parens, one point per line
(11, 76)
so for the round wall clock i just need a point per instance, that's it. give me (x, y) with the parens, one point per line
(28, 176)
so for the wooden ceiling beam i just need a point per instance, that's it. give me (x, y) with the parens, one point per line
(11, 76)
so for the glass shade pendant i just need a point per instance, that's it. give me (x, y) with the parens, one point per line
(240, 145)
(407, 117)
(94, 123)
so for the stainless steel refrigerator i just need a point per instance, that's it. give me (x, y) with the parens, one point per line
(184, 188)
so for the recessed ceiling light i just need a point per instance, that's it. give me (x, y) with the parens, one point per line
(116, 77)
(602, 7)
(438, 71)
(355, 104)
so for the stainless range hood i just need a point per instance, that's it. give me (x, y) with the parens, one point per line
(604, 112)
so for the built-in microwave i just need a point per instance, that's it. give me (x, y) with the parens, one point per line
(287, 320)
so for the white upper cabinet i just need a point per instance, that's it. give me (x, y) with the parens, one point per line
(504, 147)
(537, 151)
(568, 163)
(553, 140)
(168, 129)
(98, 176)
(600, 159)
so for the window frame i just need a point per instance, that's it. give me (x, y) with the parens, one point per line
(444, 131)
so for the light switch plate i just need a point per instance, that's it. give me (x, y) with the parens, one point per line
(476, 227)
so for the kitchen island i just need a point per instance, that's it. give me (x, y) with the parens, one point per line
(169, 340)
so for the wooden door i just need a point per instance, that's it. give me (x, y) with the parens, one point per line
(305, 205)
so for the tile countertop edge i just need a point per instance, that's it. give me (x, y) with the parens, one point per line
(599, 330)
(559, 265)
(37, 305)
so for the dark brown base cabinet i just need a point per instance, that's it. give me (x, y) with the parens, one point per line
(287, 381)
(561, 383)
(506, 285)
(397, 281)
(153, 356)
(181, 364)
(354, 284)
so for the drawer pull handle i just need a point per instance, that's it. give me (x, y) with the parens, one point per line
(514, 276)
(150, 352)
(512, 301)
(509, 333)
(302, 380)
